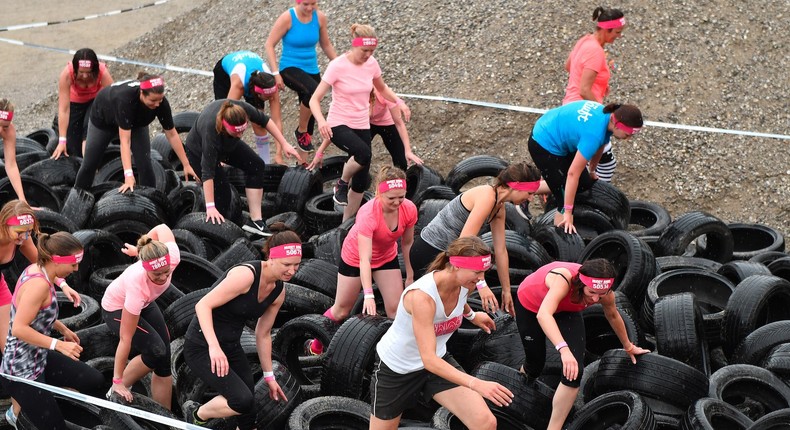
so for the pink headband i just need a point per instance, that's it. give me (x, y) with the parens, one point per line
(477, 263)
(6, 115)
(392, 184)
(599, 284)
(614, 23)
(265, 91)
(234, 128)
(85, 63)
(530, 187)
(67, 259)
(365, 41)
(22, 220)
(625, 128)
(156, 263)
(286, 250)
(153, 82)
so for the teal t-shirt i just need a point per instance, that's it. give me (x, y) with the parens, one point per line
(577, 126)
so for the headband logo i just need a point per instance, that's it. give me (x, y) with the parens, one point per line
(85, 63)
(6, 115)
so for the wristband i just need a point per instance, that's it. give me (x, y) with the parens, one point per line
(275, 73)
(128, 173)
(470, 316)
(52, 345)
(368, 290)
(369, 296)
(472, 379)
(561, 345)
(268, 376)
(399, 102)
(61, 141)
(319, 155)
(480, 285)
(117, 381)
(209, 205)
(63, 284)
(568, 207)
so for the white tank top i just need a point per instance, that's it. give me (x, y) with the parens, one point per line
(398, 347)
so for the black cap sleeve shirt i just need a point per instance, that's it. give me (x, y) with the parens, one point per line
(119, 106)
(212, 147)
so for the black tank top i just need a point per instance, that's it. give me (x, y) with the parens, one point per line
(230, 318)
(10, 262)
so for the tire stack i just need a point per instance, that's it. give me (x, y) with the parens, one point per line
(712, 300)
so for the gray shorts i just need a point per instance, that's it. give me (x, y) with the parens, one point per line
(391, 393)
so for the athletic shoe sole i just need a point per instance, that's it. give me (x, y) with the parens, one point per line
(256, 231)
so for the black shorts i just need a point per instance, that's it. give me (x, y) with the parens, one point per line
(554, 170)
(346, 269)
(391, 393)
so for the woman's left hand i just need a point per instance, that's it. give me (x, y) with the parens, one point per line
(189, 171)
(490, 303)
(70, 336)
(406, 111)
(484, 321)
(72, 295)
(129, 250)
(634, 351)
(413, 158)
(275, 392)
(290, 152)
(507, 303)
(369, 307)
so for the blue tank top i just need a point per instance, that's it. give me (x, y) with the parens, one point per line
(576, 126)
(299, 44)
(251, 61)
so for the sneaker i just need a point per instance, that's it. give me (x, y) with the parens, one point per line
(313, 347)
(190, 413)
(10, 418)
(341, 193)
(304, 140)
(257, 227)
(523, 210)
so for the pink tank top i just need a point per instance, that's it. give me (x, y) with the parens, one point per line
(78, 94)
(533, 288)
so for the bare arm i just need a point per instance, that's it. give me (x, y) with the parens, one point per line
(586, 83)
(482, 201)
(405, 245)
(11, 168)
(502, 261)
(315, 108)
(558, 289)
(323, 37)
(236, 90)
(64, 102)
(280, 27)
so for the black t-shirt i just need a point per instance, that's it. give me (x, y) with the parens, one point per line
(203, 139)
(119, 106)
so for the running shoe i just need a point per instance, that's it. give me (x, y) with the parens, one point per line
(190, 413)
(304, 140)
(10, 418)
(523, 210)
(341, 193)
(257, 227)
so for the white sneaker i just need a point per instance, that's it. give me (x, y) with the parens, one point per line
(10, 417)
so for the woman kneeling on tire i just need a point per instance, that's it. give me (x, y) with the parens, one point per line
(565, 139)
(550, 302)
(370, 251)
(30, 352)
(129, 310)
(215, 138)
(248, 291)
(413, 356)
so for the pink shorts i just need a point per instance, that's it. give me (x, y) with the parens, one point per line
(5, 293)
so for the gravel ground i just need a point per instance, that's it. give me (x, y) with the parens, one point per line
(713, 63)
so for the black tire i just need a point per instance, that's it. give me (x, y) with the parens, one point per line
(776, 420)
(752, 239)
(288, 345)
(62, 171)
(37, 193)
(531, 398)
(45, 137)
(317, 275)
(327, 245)
(738, 270)
(101, 249)
(51, 222)
(653, 376)
(330, 412)
(168, 297)
(608, 199)
(292, 220)
(599, 333)
(102, 278)
(297, 186)
(589, 222)
(349, 360)
(712, 291)
(100, 189)
(750, 389)
(419, 177)
(87, 314)
(179, 314)
(217, 237)
(443, 419)
(130, 206)
(757, 301)
(502, 346)
(756, 346)
(239, 251)
(301, 301)
(157, 197)
(320, 215)
(767, 257)
(672, 262)
(195, 273)
(113, 171)
(119, 420)
(778, 361)
(185, 199)
(106, 366)
(332, 169)
(780, 267)
(713, 414)
(624, 409)
(647, 218)
(523, 252)
(190, 242)
(560, 246)
(684, 237)
(427, 211)
(680, 331)
(97, 341)
(78, 206)
(474, 167)
(438, 192)
(184, 121)
(632, 259)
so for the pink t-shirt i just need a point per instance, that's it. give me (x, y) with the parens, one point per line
(133, 290)
(351, 86)
(380, 113)
(587, 54)
(370, 223)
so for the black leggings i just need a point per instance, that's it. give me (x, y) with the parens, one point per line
(392, 141)
(150, 337)
(221, 85)
(533, 339)
(40, 405)
(97, 142)
(357, 144)
(304, 84)
(77, 129)
(237, 155)
(554, 169)
(421, 255)
(238, 386)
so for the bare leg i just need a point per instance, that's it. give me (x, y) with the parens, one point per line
(354, 202)
(379, 424)
(216, 408)
(346, 294)
(561, 406)
(390, 285)
(162, 390)
(468, 406)
(254, 200)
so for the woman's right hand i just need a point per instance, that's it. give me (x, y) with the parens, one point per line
(219, 362)
(325, 130)
(487, 297)
(369, 307)
(69, 349)
(570, 367)
(317, 161)
(214, 215)
(60, 150)
(279, 80)
(567, 222)
(128, 184)
(122, 391)
(494, 391)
